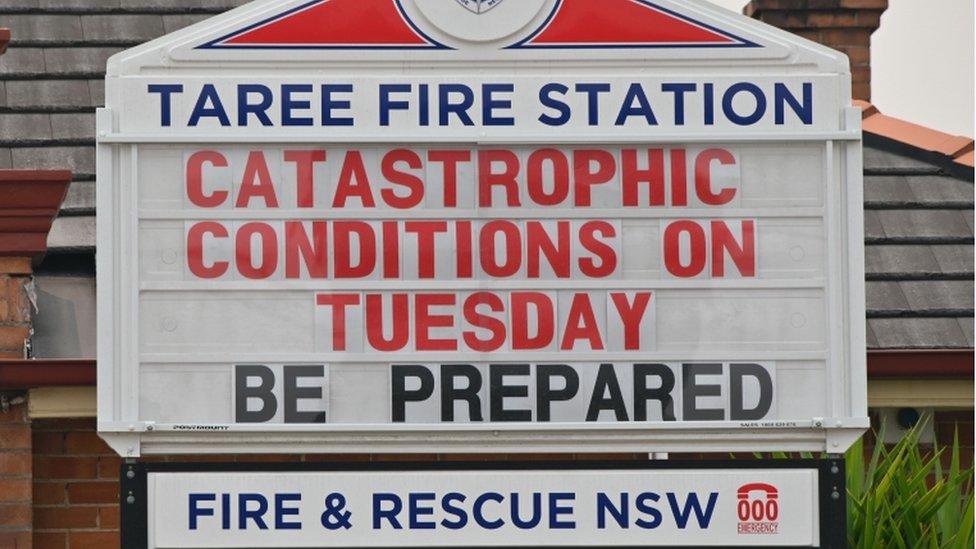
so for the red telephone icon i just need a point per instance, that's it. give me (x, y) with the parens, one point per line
(766, 508)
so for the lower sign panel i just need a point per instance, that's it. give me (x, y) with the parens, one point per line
(644, 504)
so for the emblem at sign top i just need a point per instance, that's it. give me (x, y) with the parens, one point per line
(479, 6)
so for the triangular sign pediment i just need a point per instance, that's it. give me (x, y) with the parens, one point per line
(332, 24)
(386, 24)
(624, 24)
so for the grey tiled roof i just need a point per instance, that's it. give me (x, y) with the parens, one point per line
(51, 81)
(918, 254)
(919, 220)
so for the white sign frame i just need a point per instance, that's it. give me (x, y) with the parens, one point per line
(122, 128)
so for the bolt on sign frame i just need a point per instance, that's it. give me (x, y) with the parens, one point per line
(624, 225)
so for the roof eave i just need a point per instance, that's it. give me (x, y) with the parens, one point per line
(953, 153)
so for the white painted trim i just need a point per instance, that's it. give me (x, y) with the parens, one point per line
(62, 402)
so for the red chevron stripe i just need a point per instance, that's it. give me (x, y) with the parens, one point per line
(622, 22)
(335, 23)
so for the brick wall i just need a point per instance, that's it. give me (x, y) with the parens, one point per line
(15, 478)
(845, 25)
(75, 486)
(76, 491)
(15, 318)
(946, 425)
(15, 439)
(75, 477)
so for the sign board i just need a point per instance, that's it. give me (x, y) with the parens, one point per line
(691, 504)
(436, 225)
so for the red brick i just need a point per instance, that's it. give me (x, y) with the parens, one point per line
(15, 515)
(810, 34)
(15, 265)
(15, 489)
(880, 5)
(46, 493)
(46, 442)
(861, 75)
(12, 338)
(14, 437)
(85, 442)
(108, 518)
(18, 307)
(93, 540)
(846, 37)
(861, 91)
(67, 467)
(64, 518)
(11, 355)
(859, 55)
(64, 425)
(93, 492)
(6, 307)
(12, 463)
(50, 540)
(108, 466)
(831, 19)
(15, 540)
(955, 416)
(945, 433)
(14, 414)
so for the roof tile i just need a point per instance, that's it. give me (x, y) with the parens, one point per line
(46, 94)
(877, 159)
(938, 294)
(97, 6)
(121, 28)
(81, 197)
(22, 61)
(25, 127)
(966, 325)
(919, 333)
(77, 60)
(97, 91)
(873, 229)
(72, 233)
(954, 259)
(174, 23)
(932, 225)
(955, 147)
(80, 160)
(872, 339)
(73, 126)
(215, 5)
(886, 296)
(921, 190)
(40, 28)
(882, 260)
(968, 158)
